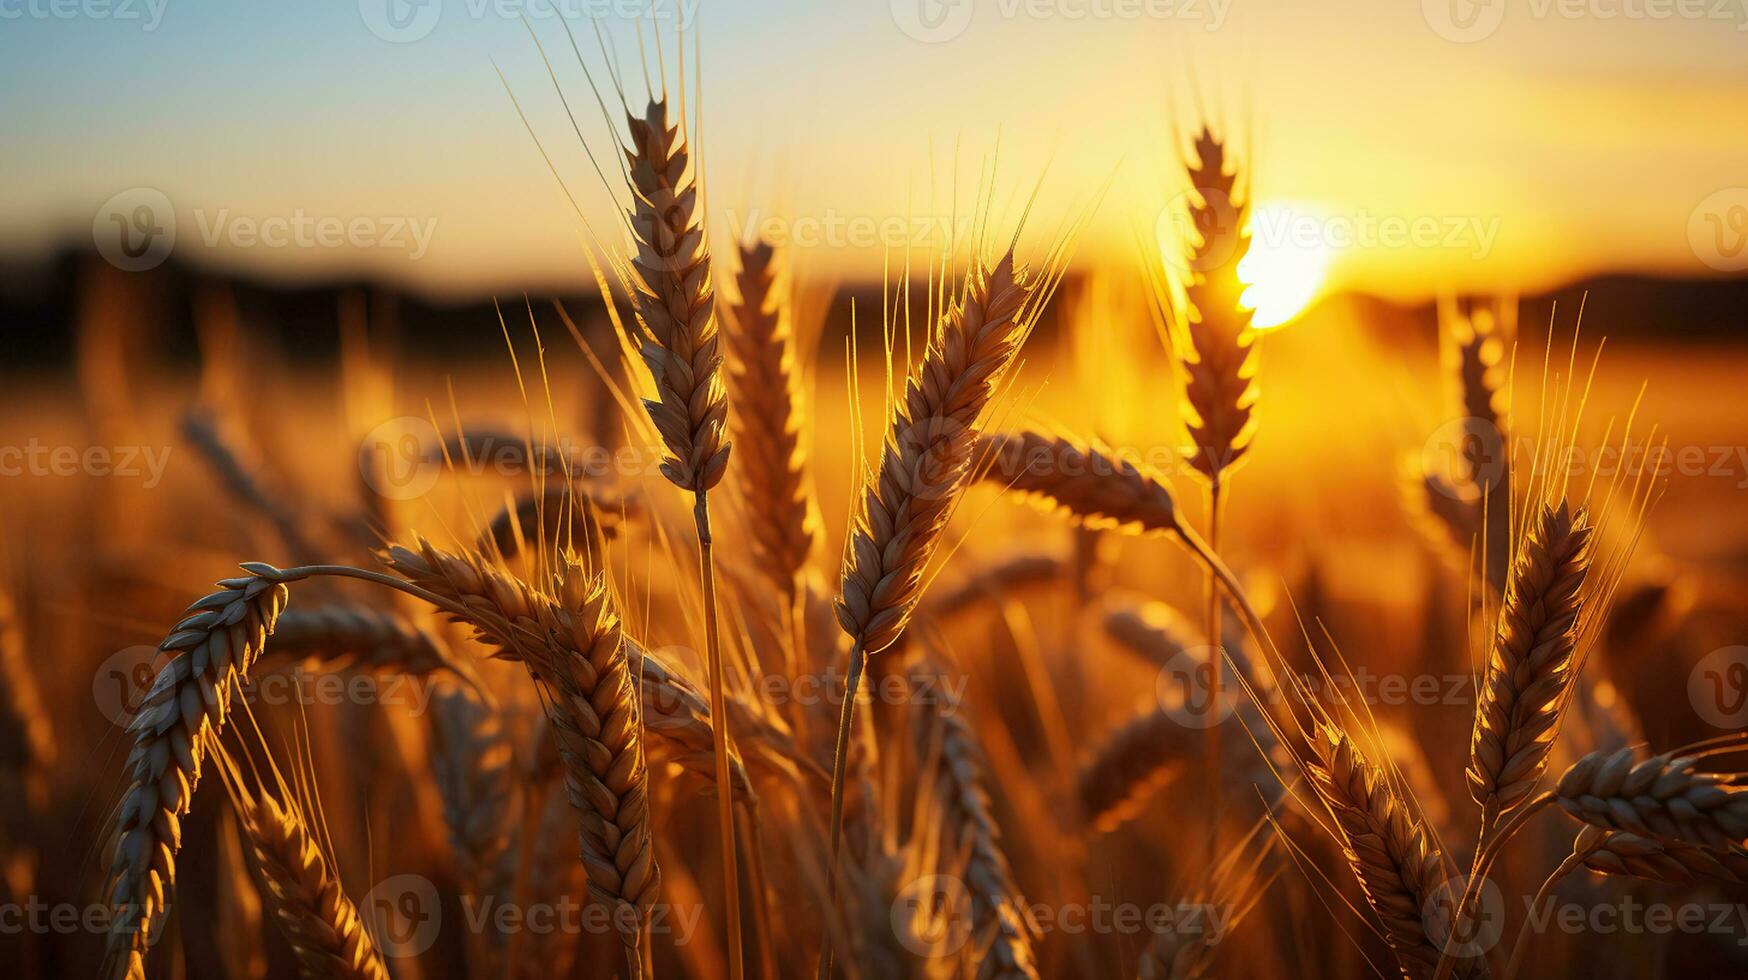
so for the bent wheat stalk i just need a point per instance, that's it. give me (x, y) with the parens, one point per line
(675, 330)
(572, 645)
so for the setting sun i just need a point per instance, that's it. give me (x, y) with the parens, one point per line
(1286, 263)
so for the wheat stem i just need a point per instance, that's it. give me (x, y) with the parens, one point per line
(719, 733)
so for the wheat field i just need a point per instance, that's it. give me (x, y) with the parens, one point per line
(1028, 617)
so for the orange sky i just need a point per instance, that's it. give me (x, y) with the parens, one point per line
(1565, 138)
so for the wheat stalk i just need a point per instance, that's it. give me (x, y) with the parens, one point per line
(782, 520)
(213, 649)
(1533, 662)
(675, 330)
(1398, 866)
(903, 508)
(573, 646)
(320, 924)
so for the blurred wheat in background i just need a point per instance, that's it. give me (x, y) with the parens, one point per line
(1021, 613)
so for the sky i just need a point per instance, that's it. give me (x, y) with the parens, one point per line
(1407, 147)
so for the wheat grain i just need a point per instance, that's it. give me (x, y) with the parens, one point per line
(1619, 852)
(213, 649)
(1663, 797)
(320, 924)
(1533, 661)
(1001, 930)
(675, 326)
(904, 508)
(1389, 850)
(473, 765)
(1085, 482)
(1219, 379)
(573, 646)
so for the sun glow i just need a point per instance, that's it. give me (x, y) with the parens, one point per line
(1285, 267)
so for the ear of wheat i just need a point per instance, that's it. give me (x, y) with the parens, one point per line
(474, 766)
(1619, 852)
(1398, 867)
(1001, 929)
(202, 431)
(782, 521)
(1664, 797)
(1532, 664)
(1092, 486)
(991, 583)
(1220, 385)
(573, 646)
(565, 517)
(212, 650)
(676, 315)
(1488, 456)
(320, 924)
(343, 635)
(904, 507)
(28, 747)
